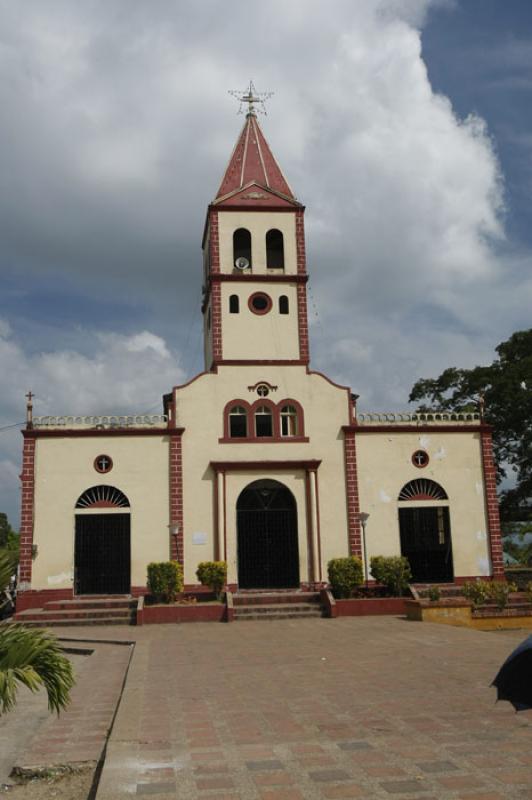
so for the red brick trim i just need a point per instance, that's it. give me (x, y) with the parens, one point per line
(176, 498)
(320, 577)
(255, 277)
(302, 324)
(27, 510)
(216, 322)
(492, 504)
(263, 466)
(72, 433)
(351, 486)
(214, 241)
(415, 428)
(300, 242)
(253, 362)
(310, 529)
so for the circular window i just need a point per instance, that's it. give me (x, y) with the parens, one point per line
(260, 303)
(263, 390)
(103, 463)
(420, 458)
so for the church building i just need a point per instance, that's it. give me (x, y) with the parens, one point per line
(259, 460)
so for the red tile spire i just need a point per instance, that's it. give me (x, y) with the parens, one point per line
(252, 161)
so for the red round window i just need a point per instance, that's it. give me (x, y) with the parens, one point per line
(420, 458)
(260, 303)
(103, 463)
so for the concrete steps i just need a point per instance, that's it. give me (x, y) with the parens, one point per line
(81, 612)
(276, 605)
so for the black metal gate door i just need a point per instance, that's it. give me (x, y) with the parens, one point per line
(268, 553)
(102, 557)
(426, 542)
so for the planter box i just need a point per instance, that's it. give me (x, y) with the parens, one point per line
(459, 612)
(166, 614)
(370, 606)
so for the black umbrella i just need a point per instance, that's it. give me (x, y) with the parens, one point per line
(514, 679)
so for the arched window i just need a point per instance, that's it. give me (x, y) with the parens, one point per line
(422, 489)
(274, 249)
(234, 305)
(283, 304)
(263, 422)
(102, 497)
(289, 422)
(238, 423)
(241, 247)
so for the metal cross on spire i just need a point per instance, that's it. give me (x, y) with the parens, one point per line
(252, 98)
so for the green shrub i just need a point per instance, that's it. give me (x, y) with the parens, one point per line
(499, 592)
(345, 574)
(213, 574)
(393, 572)
(434, 594)
(477, 591)
(165, 580)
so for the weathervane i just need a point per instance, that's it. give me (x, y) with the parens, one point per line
(252, 98)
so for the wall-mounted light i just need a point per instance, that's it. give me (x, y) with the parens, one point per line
(34, 551)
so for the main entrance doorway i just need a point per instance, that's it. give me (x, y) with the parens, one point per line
(267, 545)
(102, 554)
(426, 542)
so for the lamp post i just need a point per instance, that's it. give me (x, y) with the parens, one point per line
(363, 519)
(174, 530)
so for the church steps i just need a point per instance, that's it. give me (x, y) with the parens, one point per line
(99, 611)
(251, 598)
(276, 605)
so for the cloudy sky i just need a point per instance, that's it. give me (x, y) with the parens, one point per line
(405, 126)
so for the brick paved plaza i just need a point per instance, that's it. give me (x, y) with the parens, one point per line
(366, 708)
(317, 709)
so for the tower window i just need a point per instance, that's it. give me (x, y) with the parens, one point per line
(238, 425)
(274, 249)
(241, 248)
(263, 422)
(289, 421)
(283, 304)
(260, 303)
(234, 305)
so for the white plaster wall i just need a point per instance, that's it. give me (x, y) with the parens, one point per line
(384, 466)
(64, 470)
(271, 336)
(200, 408)
(258, 223)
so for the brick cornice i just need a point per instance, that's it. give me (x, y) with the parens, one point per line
(285, 277)
(57, 433)
(228, 466)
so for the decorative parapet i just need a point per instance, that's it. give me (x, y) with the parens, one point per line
(418, 418)
(102, 422)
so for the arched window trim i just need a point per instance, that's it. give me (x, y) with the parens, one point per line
(288, 401)
(275, 409)
(422, 489)
(245, 250)
(271, 252)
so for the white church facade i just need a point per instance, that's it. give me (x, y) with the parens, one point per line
(259, 460)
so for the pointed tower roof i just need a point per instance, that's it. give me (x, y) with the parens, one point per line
(252, 164)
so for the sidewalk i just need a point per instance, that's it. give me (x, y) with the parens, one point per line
(317, 709)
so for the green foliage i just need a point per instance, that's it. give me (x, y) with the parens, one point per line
(507, 388)
(481, 592)
(517, 541)
(213, 574)
(393, 572)
(8, 537)
(165, 580)
(345, 574)
(434, 594)
(34, 659)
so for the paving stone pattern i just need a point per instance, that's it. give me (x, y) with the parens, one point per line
(79, 734)
(314, 709)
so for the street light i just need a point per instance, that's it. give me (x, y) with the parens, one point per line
(363, 519)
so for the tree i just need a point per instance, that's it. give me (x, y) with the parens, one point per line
(31, 658)
(506, 386)
(8, 537)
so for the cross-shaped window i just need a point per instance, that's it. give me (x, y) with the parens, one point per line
(420, 458)
(103, 463)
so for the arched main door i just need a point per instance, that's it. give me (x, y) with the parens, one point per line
(268, 555)
(426, 532)
(102, 548)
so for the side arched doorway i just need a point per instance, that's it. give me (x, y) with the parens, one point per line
(426, 532)
(102, 546)
(267, 545)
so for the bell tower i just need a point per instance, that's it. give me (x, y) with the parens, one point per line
(254, 292)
